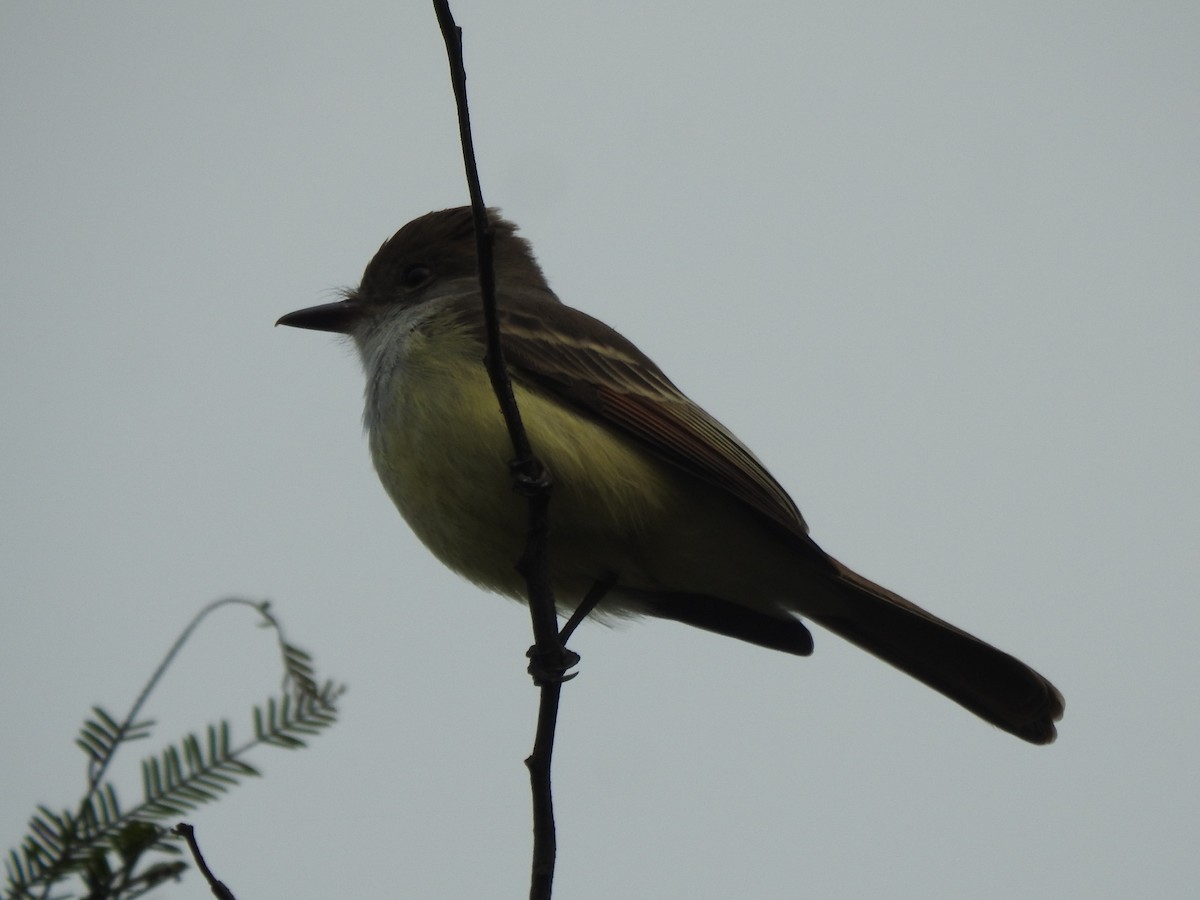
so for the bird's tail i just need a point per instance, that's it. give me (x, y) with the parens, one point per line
(990, 683)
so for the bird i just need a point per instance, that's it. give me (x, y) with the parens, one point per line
(652, 496)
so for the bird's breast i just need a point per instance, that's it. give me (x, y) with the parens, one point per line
(442, 451)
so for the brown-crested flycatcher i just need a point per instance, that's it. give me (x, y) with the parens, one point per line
(650, 492)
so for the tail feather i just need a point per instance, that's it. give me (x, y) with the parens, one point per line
(995, 686)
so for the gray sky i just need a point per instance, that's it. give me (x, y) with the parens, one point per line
(937, 265)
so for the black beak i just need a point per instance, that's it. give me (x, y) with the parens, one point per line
(339, 317)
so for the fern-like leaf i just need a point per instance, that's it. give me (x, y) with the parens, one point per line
(103, 844)
(100, 735)
(298, 665)
(196, 772)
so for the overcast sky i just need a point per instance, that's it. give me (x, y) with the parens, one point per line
(936, 264)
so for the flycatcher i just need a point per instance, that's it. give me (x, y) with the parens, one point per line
(651, 493)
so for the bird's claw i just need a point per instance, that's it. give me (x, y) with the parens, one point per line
(550, 666)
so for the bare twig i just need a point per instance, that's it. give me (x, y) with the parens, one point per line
(549, 660)
(218, 888)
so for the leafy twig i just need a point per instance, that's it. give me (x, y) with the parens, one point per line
(179, 778)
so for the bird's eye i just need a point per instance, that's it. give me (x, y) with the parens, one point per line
(415, 276)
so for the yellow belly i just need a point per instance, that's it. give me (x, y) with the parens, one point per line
(441, 449)
(442, 452)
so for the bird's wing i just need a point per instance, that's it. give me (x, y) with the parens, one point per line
(580, 360)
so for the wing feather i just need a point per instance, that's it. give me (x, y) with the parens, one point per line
(582, 361)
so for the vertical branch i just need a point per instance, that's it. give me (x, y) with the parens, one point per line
(549, 660)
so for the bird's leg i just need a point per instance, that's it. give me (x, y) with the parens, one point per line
(547, 668)
(595, 594)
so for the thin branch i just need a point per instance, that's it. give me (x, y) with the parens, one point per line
(529, 475)
(218, 888)
(549, 660)
(545, 840)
